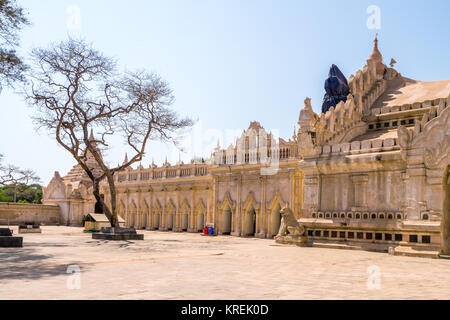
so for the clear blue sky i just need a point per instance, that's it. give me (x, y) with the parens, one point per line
(229, 61)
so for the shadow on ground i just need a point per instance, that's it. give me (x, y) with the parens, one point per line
(32, 265)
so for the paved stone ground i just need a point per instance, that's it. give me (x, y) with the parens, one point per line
(190, 266)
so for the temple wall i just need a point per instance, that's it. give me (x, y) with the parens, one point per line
(166, 205)
(246, 191)
(16, 213)
(367, 191)
(72, 211)
(366, 183)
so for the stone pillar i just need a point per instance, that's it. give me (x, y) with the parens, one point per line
(311, 189)
(178, 214)
(215, 216)
(192, 221)
(257, 223)
(163, 217)
(139, 213)
(414, 185)
(151, 213)
(210, 205)
(262, 231)
(295, 192)
(238, 214)
(299, 193)
(127, 208)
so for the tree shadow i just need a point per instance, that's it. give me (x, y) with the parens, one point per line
(25, 263)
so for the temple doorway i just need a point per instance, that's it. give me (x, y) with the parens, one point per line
(144, 218)
(276, 220)
(98, 208)
(170, 221)
(156, 221)
(226, 221)
(200, 222)
(250, 223)
(132, 215)
(184, 221)
(445, 223)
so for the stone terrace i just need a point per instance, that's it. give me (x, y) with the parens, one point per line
(190, 266)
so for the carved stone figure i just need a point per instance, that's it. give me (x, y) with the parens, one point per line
(289, 225)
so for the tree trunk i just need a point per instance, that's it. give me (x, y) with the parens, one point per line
(110, 215)
(112, 191)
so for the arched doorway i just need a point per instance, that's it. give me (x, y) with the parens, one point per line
(200, 221)
(121, 210)
(445, 223)
(250, 222)
(275, 220)
(227, 220)
(98, 206)
(184, 221)
(132, 215)
(145, 213)
(156, 221)
(170, 221)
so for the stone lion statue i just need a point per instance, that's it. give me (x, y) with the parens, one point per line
(289, 225)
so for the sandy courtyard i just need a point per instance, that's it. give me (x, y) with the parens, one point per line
(189, 266)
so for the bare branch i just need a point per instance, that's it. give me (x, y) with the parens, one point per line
(74, 89)
(12, 176)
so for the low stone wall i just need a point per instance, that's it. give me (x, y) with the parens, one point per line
(18, 213)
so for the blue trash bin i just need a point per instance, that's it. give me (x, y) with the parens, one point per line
(211, 231)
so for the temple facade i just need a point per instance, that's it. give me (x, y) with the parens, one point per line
(373, 170)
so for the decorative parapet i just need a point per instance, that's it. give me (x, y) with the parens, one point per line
(255, 146)
(345, 122)
(438, 115)
(154, 173)
(356, 147)
(366, 89)
(339, 124)
(436, 107)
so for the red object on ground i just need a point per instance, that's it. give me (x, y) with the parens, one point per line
(205, 230)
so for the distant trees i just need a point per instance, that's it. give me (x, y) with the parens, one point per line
(23, 193)
(12, 19)
(75, 88)
(12, 177)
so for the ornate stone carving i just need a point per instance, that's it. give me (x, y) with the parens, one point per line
(435, 138)
(306, 146)
(432, 135)
(404, 137)
(291, 231)
(434, 155)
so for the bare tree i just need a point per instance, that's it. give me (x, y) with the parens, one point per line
(12, 19)
(75, 88)
(11, 175)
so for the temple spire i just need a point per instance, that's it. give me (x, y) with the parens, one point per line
(376, 54)
(126, 158)
(375, 62)
(91, 135)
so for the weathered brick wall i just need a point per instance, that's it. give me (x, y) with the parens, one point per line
(20, 212)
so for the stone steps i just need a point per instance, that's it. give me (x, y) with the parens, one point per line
(397, 251)
(352, 246)
(415, 252)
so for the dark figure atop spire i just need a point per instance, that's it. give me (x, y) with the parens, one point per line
(336, 88)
